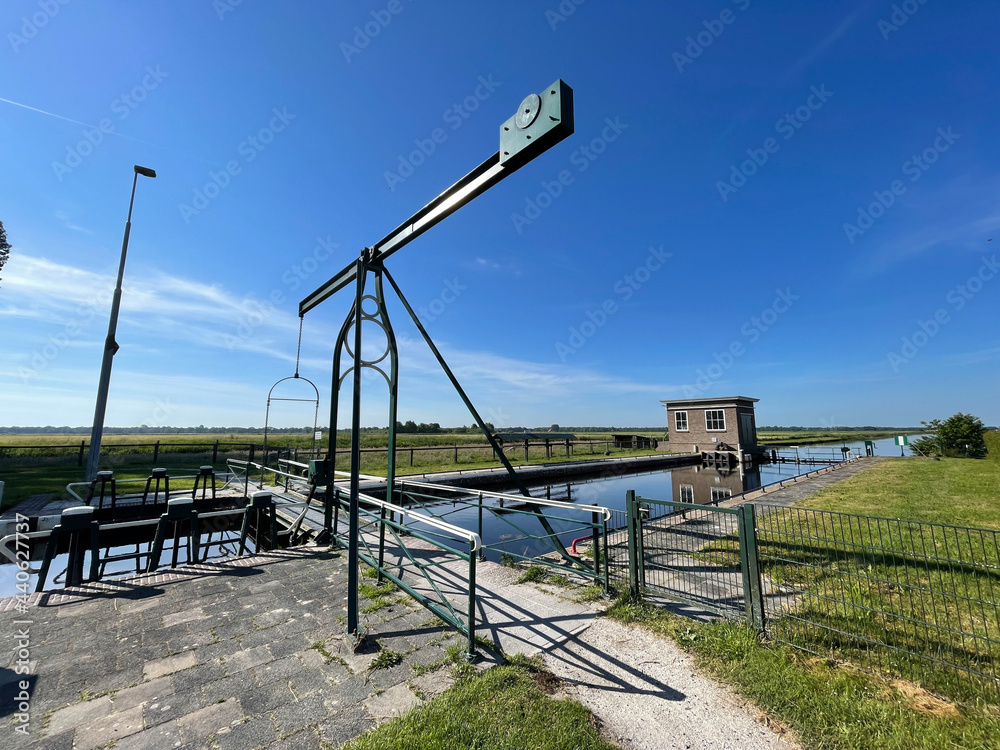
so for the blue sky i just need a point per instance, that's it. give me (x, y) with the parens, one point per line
(785, 200)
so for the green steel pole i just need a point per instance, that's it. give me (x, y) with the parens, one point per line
(353, 626)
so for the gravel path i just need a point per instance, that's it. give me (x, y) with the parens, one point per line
(648, 695)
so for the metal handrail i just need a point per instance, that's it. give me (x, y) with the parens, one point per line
(470, 536)
(71, 485)
(504, 496)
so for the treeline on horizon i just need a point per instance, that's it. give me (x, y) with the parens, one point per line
(409, 426)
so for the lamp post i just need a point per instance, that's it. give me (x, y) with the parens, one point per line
(110, 345)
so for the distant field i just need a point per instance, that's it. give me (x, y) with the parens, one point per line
(372, 439)
(29, 467)
(811, 437)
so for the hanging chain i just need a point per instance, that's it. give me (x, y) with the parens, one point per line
(298, 350)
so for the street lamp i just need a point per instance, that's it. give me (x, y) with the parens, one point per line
(110, 345)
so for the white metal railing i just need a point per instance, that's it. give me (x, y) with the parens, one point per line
(403, 484)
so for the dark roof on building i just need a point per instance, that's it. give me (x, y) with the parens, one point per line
(717, 401)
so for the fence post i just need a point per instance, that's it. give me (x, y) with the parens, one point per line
(215, 452)
(479, 527)
(471, 652)
(456, 453)
(411, 456)
(750, 566)
(595, 541)
(567, 447)
(156, 451)
(631, 513)
(548, 449)
(381, 545)
(606, 555)
(79, 460)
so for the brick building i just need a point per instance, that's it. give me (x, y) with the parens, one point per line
(708, 424)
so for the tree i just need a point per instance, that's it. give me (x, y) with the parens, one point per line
(961, 435)
(4, 247)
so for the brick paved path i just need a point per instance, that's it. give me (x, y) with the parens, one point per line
(218, 656)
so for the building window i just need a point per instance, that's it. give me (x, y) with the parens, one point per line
(686, 493)
(721, 493)
(681, 421)
(715, 420)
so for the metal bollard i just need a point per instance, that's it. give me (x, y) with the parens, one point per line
(74, 522)
(178, 511)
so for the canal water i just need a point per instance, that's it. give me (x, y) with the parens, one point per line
(512, 532)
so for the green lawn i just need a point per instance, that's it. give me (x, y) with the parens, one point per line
(812, 437)
(829, 706)
(956, 491)
(882, 572)
(500, 709)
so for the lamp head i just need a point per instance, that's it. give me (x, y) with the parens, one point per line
(144, 171)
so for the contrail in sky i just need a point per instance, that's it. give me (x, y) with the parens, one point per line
(113, 132)
(75, 122)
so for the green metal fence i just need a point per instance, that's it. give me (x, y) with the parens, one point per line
(906, 599)
(431, 560)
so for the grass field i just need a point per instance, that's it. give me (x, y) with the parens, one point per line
(907, 599)
(828, 705)
(813, 437)
(30, 472)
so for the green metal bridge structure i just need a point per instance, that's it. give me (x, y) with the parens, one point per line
(541, 121)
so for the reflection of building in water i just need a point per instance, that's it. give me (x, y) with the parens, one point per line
(706, 485)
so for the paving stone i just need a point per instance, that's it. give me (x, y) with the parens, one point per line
(188, 615)
(233, 629)
(277, 669)
(274, 617)
(291, 717)
(246, 659)
(296, 625)
(288, 645)
(381, 679)
(267, 697)
(348, 692)
(210, 720)
(219, 649)
(80, 713)
(132, 655)
(62, 741)
(391, 703)
(135, 606)
(345, 725)
(308, 682)
(143, 692)
(195, 677)
(257, 732)
(262, 637)
(159, 737)
(310, 658)
(269, 586)
(229, 687)
(172, 707)
(434, 683)
(304, 739)
(170, 664)
(110, 728)
(114, 680)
